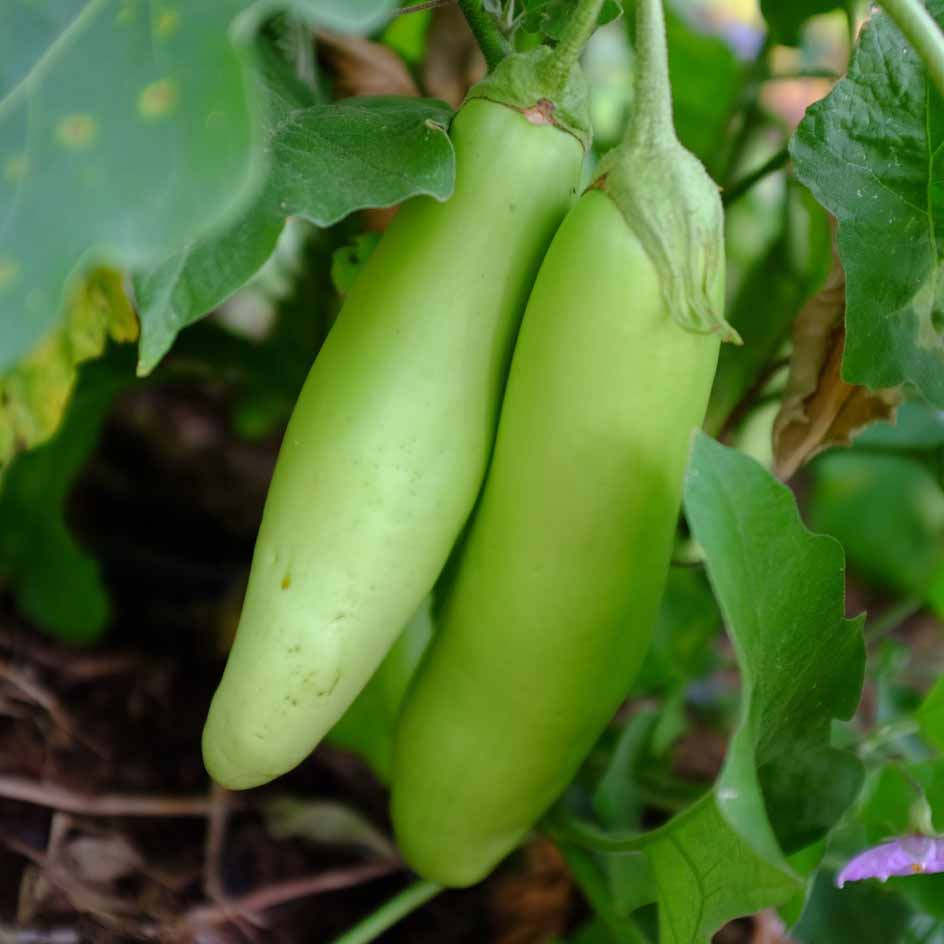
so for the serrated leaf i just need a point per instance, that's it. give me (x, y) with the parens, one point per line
(326, 162)
(786, 17)
(35, 393)
(91, 158)
(782, 785)
(55, 583)
(871, 152)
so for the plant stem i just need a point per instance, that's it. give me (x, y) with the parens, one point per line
(579, 29)
(892, 618)
(740, 187)
(494, 46)
(922, 32)
(389, 913)
(652, 113)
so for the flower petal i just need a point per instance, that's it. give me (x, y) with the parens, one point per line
(907, 855)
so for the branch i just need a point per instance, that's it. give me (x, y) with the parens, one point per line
(282, 892)
(494, 46)
(740, 187)
(104, 804)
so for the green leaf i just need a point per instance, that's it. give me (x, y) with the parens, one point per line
(859, 913)
(326, 162)
(888, 512)
(91, 158)
(708, 874)
(27, 29)
(916, 428)
(786, 17)
(782, 786)
(802, 663)
(55, 583)
(871, 153)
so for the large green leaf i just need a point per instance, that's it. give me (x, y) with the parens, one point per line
(782, 785)
(326, 162)
(132, 132)
(128, 130)
(871, 153)
(27, 29)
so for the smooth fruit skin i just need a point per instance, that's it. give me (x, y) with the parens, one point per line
(558, 584)
(388, 444)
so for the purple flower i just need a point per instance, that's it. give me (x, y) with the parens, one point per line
(908, 855)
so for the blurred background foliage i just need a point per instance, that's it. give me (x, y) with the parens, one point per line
(133, 478)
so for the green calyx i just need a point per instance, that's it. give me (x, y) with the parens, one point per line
(674, 208)
(666, 195)
(529, 83)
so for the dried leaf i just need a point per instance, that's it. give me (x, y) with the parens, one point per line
(454, 62)
(361, 67)
(819, 408)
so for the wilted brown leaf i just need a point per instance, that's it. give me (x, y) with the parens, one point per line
(454, 62)
(819, 408)
(361, 67)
